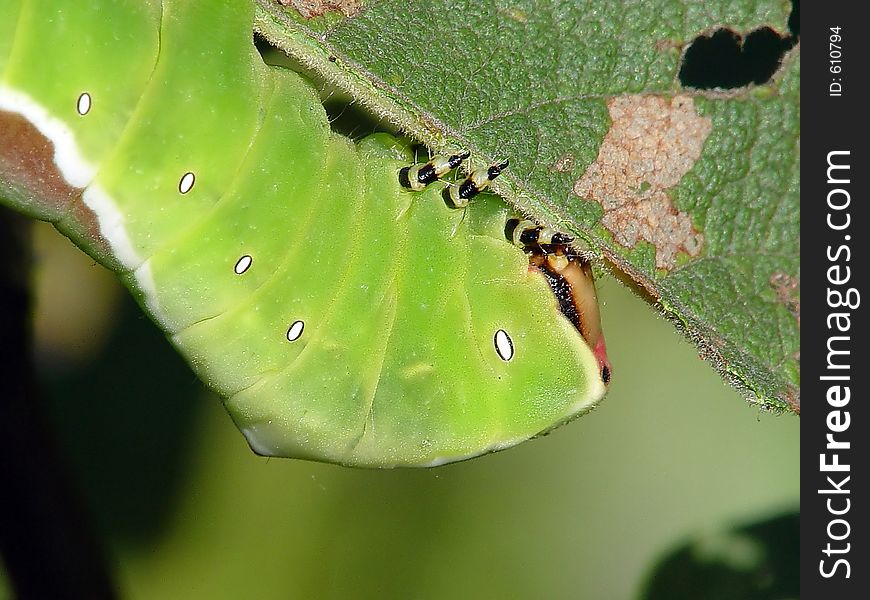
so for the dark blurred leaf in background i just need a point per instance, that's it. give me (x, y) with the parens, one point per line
(759, 561)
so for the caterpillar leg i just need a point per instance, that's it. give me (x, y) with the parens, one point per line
(529, 236)
(458, 196)
(417, 177)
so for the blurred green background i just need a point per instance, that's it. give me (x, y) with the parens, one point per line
(187, 511)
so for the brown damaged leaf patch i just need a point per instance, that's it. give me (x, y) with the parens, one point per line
(793, 397)
(652, 143)
(564, 164)
(317, 8)
(787, 289)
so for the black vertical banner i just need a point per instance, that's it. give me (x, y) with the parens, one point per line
(835, 437)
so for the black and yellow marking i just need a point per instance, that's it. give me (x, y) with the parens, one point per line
(530, 236)
(417, 177)
(458, 196)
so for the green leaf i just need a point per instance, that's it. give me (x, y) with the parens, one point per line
(693, 195)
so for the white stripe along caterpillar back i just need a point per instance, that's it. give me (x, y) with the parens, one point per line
(214, 187)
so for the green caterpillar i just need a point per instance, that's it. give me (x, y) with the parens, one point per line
(341, 316)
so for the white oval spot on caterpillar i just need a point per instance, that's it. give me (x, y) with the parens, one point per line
(504, 346)
(295, 331)
(83, 106)
(186, 182)
(243, 264)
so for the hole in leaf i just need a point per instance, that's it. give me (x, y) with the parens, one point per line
(728, 60)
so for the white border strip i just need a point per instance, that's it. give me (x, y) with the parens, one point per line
(74, 168)
(80, 173)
